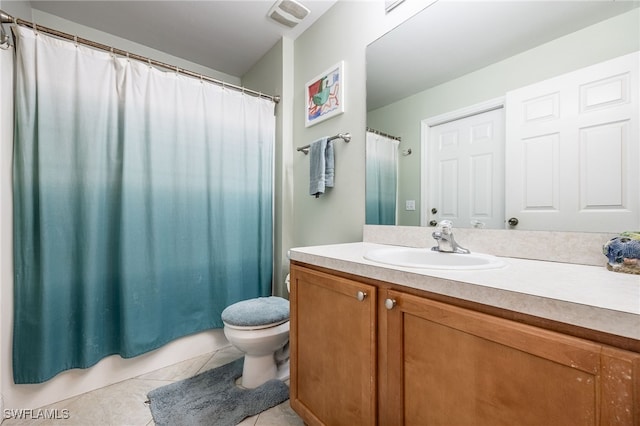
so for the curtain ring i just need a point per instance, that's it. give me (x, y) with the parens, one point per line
(35, 28)
(149, 61)
(127, 56)
(75, 40)
(113, 55)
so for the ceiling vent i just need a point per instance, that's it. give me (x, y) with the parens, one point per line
(288, 12)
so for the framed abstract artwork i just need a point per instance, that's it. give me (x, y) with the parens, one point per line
(325, 95)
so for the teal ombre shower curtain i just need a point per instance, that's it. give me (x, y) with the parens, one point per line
(381, 179)
(142, 205)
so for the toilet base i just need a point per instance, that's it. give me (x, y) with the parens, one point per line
(260, 369)
(283, 371)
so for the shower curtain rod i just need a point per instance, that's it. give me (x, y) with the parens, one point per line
(378, 132)
(5, 18)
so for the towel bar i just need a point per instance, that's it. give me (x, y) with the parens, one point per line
(344, 136)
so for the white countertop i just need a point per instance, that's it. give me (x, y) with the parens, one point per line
(586, 296)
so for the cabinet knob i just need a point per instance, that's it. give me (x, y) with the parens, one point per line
(361, 295)
(390, 303)
(513, 221)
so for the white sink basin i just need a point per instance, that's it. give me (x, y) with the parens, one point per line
(410, 257)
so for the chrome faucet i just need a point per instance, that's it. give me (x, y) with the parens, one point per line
(444, 236)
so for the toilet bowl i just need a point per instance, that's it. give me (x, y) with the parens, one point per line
(260, 329)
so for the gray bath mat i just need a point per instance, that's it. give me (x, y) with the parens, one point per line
(212, 398)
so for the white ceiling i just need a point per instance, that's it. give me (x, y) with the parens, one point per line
(229, 36)
(452, 38)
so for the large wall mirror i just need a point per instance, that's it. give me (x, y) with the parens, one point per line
(456, 59)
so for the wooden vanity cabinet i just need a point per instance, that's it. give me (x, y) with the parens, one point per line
(454, 366)
(440, 364)
(333, 349)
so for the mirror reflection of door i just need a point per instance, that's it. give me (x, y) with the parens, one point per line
(572, 157)
(466, 171)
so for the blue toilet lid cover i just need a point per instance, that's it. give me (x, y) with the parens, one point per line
(258, 311)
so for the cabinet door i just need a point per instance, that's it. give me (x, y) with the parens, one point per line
(452, 366)
(333, 349)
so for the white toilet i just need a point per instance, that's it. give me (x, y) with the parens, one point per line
(260, 328)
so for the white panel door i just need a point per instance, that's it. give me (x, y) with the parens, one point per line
(572, 150)
(466, 179)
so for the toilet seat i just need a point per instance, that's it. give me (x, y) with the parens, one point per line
(256, 314)
(253, 327)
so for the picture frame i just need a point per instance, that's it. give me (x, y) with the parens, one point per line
(324, 95)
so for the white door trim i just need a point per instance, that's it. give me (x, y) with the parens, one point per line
(425, 126)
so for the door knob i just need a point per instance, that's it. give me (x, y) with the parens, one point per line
(389, 303)
(434, 210)
(433, 223)
(513, 221)
(361, 295)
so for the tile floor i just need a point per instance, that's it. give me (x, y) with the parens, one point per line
(123, 404)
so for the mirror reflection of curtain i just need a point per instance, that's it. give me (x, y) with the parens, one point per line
(381, 179)
(142, 205)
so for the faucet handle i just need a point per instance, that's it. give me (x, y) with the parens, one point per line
(444, 236)
(445, 226)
